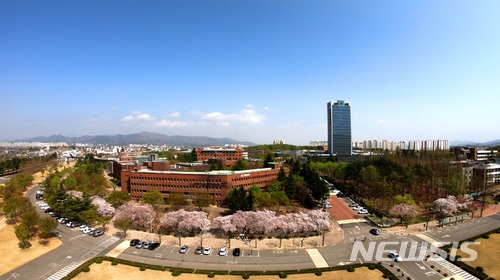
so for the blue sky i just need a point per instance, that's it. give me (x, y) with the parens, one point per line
(250, 70)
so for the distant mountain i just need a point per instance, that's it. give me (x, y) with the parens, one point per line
(150, 138)
(476, 144)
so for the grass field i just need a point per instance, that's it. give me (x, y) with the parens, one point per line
(16, 256)
(487, 252)
(123, 272)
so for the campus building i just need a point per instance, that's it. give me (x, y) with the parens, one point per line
(190, 180)
(339, 128)
(205, 154)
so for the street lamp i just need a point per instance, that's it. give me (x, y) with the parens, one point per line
(151, 228)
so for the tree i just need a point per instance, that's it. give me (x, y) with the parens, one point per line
(23, 234)
(177, 200)
(153, 198)
(88, 216)
(239, 165)
(402, 210)
(118, 198)
(183, 222)
(103, 208)
(226, 225)
(448, 205)
(123, 224)
(267, 161)
(46, 226)
(30, 220)
(238, 199)
(140, 215)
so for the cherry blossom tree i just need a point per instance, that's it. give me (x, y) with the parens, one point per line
(402, 210)
(448, 205)
(226, 225)
(103, 208)
(75, 194)
(185, 222)
(140, 215)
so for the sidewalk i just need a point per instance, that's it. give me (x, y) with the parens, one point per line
(420, 227)
(333, 237)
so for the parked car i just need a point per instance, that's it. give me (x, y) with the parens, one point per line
(354, 204)
(91, 231)
(83, 227)
(207, 250)
(183, 249)
(134, 242)
(375, 231)
(98, 233)
(362, 211)
(145, 245)
(138, 245)
(340, 194)
(199, 250)
(395, 256)
(223, 251)
(154, 245)
(236, 252)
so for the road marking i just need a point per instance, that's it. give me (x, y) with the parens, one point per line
(429, 239)
(317, 258)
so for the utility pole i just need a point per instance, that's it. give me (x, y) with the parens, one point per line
(484, 190)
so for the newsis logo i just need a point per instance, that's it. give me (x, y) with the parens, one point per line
(410, 251)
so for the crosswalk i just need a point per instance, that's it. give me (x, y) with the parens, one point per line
(90, 254)
(362, 238)
(65, 271)
(454, 270)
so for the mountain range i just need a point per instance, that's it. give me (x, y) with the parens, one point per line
(148, 138)
(493, 143)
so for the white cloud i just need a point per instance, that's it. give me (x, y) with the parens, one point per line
(175, 114)
(245, 116)
(128, 118)
(381, 120)
(167, 123)
(138, 116)
(266, 108)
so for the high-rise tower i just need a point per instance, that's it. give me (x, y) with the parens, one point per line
(339, 128)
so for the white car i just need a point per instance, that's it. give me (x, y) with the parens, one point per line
(223, 251)
(83, 227)
(362, 211)
(207, 250)
(43, 204)
(395, 256)
(357, 208)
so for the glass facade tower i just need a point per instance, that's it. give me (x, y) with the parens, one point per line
(339, 128)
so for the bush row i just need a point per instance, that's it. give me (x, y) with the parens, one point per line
(475, 271)
(85, 267)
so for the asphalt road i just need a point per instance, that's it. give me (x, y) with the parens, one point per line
(78, 247)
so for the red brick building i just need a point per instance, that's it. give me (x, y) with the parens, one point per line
(137, 180)
(204, 154)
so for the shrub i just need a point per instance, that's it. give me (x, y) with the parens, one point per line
(318, 273)
(142, 268)
(211, 275)
(350, 269)
(479, 268)
(114, 262)
(98, 260)
(485, 236)
(176, 272)
(43, 242)
(283, 275)
(245, 276)
(371, 266)
(86, 269)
